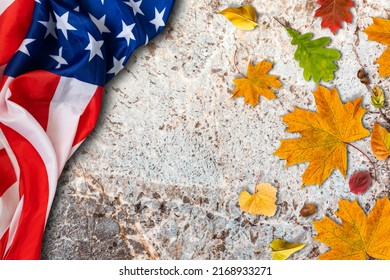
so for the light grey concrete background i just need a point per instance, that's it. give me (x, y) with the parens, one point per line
(160, 175)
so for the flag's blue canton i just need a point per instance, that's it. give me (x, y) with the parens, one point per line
(90, 40)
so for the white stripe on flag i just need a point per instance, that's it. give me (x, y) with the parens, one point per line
(69, 102)
(10, 199)
(17, 118)
(53, 145)
(4, 4)
(10, 154)
(8, 203)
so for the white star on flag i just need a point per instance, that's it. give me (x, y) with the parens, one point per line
(50, 27)
(100, 23)
(158, 18)
(95, 47)
(127, 32)
(23, 46)
(135, 6)
(63, 25)
(59, 59)
(118, 66)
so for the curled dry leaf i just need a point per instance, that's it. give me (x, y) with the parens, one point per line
(257, 83)
(243, 17)
(379, 31)
(378, 97)
(324, 135)
(281, 249)
(380, 142)
(260, 203)
(359, 237)
(360, 181)
(308, 209)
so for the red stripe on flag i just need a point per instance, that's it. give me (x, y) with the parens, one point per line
(89, 117)
(7, 173)
(34, 92)
(3, 243)
(34, 186)
(14, 25)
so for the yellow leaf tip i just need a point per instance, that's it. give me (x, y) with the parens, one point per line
(281, 249)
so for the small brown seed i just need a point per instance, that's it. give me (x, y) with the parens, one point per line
(365, 80)
(361, 74)
(308, 209)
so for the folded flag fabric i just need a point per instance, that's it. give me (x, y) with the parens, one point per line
(55, 58)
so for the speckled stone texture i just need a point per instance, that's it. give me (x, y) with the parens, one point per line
(159, 177)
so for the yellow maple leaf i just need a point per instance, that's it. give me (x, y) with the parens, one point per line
(260, 203)
(243, 17)
(379, 31)
(282, 249)
(324, 135)
(380, 142)
(257, 83)
(358, 237)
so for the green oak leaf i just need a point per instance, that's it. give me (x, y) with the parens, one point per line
(316, 60)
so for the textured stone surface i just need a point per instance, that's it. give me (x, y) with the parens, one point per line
(160, 175)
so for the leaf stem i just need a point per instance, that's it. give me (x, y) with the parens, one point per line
(235, 64)
(372, 163)
(280, 22)
(257, 180)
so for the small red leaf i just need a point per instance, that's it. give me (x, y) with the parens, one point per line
(334, 12)
(359, 182)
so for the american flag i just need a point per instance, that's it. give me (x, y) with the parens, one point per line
(55, 58)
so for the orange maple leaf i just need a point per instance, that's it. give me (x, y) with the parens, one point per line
(379, 31)
(358, 237)
(380, 142)
(325, 135)
(257, 83)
